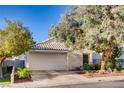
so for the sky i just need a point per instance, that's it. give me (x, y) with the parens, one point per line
(38, 19)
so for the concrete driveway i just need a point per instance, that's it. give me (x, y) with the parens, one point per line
(53, 79)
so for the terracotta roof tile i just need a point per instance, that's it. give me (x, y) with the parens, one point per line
(49, 45)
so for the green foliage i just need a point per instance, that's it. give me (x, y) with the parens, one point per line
(22, 73)
(118, 68)
(86, 67)
(116, 52)
(109, 64)
(4, 69)
(91, 27)
(15, 39)
(96, 66)
(5, 79)
(91, 67)
(97, 28)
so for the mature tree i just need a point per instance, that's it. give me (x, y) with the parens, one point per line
(15, 39)
(99, 28)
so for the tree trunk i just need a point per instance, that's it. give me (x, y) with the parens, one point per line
(1, 72)
(12, 74)
(103, 63)
(105, 56)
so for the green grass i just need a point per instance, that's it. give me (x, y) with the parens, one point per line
(5, 79)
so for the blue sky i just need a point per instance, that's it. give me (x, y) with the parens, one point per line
(38, 18)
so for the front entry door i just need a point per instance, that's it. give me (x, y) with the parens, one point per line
(85, 58)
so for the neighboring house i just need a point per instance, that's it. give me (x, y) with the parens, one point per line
(51, 55)
(121, 58)
(17, 61)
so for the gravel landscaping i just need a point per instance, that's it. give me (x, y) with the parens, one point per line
(97, 74)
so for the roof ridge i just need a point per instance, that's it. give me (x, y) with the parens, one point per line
(46, 45)
(45, 41)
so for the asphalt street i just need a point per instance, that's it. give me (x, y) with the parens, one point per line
(112, 84)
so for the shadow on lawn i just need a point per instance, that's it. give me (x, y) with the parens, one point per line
(5, 79)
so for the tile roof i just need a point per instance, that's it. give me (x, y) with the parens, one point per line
(50, 45)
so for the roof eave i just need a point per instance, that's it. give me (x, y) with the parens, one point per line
(52, 51)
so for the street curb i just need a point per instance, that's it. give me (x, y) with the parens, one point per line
(41, 84)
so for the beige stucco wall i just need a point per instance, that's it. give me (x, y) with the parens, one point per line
(75, 59)
(46, 61)
(56, 61)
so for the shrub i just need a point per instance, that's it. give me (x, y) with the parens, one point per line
(96, 66)
(4, 69)
(22, 73)
(91, 66)
(86, 67)
(109, 65)
(118, 68)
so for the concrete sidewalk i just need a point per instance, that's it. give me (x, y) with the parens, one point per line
(64, 80)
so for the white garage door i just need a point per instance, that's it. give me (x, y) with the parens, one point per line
(47, 61)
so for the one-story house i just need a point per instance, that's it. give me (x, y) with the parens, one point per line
(52, 55)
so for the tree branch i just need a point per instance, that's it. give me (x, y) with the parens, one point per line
(2, 59)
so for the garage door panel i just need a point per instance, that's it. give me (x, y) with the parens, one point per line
(47, 61)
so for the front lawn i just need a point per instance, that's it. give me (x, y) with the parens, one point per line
(5, 79)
